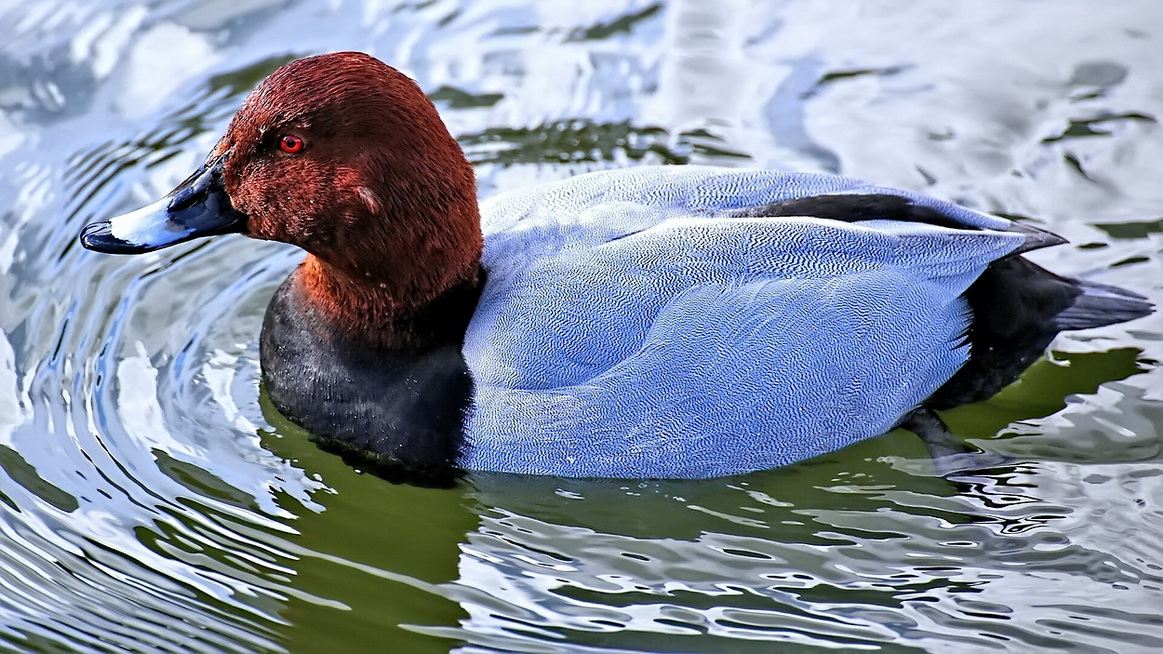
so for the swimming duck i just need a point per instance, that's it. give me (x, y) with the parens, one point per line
(652, 322)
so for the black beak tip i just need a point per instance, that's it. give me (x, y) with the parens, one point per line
(98, 237)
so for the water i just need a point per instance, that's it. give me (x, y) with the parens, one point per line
(150, 500)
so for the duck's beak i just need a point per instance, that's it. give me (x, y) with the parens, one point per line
(199, 206)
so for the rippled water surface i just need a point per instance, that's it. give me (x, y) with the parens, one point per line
(150, 500)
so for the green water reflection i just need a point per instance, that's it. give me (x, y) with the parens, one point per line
(149, 500)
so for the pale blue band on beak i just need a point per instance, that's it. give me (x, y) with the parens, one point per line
(199, 206)
(149, 226)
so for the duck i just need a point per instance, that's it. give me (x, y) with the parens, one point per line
(648, 322)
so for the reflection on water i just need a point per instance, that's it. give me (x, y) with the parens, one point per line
(147, 502)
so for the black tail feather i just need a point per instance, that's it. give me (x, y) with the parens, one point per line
(1018, 308)
(1100, 305)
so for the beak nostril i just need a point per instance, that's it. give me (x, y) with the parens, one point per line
(198, 186)
(186, 197)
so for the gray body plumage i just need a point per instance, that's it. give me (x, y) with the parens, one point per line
(632, 327)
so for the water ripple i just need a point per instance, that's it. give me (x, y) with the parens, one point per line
(150, 498)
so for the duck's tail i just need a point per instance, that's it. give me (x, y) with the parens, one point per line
(1099, 305)
(1018, 308)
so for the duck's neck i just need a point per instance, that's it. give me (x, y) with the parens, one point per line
(378, 309)
(387, 389)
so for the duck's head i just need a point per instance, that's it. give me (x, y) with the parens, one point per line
(344, 157)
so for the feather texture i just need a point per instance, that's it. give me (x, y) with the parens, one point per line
(631, 327)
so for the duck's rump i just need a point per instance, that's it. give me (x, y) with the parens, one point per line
(1017, 307)
(653, 332)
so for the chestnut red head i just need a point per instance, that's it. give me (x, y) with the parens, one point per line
(345, 157)
(339, 154)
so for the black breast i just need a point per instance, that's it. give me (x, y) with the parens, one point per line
(396, 413)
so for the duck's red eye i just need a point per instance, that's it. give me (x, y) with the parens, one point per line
(291, 144)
